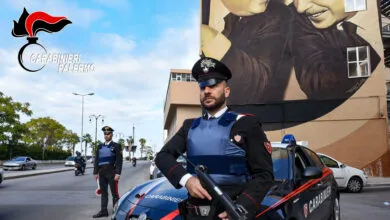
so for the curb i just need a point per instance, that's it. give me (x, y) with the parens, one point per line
(37, 174)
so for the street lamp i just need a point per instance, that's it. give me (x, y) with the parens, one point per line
(96, 118)
(119, 135)
(82, 116)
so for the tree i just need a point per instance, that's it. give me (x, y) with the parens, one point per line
(148, 151)
(11, 129)
(142, 142)
(87, 139)
(94, 147)
(70, 140)
(45, 131)
(122, 143)
(130, 142)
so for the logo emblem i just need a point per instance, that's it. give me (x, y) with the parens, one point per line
(237, 138)
(305, 210)
(29, 25)
(268, 147)
(206, 64)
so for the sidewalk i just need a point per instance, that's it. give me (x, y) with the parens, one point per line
(378, 182)
(26, 173)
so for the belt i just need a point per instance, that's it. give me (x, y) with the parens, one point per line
(104, 166)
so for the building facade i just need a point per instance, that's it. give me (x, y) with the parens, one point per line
(321, 79)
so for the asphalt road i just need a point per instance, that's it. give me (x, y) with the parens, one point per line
(61, 195)
(373, 204)
(64, 196)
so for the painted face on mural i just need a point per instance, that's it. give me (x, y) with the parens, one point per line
(214, 97)
(245, 7)
(322, 13)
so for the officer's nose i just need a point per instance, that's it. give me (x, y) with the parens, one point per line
(302, 5)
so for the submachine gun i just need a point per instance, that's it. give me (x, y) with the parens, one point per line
(234, 211)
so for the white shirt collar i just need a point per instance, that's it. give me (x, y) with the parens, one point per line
(218, 114)
(105, 143)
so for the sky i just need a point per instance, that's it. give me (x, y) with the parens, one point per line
(133, 45)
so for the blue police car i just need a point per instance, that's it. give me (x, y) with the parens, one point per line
(304, 189)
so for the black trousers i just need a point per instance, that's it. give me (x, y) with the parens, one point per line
(106, 178)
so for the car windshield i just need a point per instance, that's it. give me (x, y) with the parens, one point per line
(280, 163)
(18, 159)
(70, 158)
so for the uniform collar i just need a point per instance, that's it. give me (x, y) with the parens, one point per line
(106, 144)
(218, 114)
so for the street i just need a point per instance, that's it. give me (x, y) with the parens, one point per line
(61, 195)
(373, 204)
(64, 196)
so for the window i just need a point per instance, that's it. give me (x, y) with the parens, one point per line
(358, 62)
(329, 162)
(314, 158)
(355, 5)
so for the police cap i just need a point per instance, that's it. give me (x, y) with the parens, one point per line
(107, 129)
(209, 71)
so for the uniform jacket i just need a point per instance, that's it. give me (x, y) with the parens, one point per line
(252, 141)
(118, 158)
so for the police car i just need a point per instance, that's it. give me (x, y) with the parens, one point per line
(304, 189)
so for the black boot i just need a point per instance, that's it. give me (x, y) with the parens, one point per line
(101, 214)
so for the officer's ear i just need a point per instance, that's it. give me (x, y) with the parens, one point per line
(226, 90)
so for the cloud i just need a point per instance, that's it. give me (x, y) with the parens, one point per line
(114, 41)
(129, 88)
(80, 16)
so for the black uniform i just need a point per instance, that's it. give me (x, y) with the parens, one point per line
(246, 133)
(107, 172)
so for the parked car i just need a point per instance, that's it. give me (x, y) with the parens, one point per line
(1, 175)
(69, 161)
(20, 163)
(304, 189)
(154, 172)
(347, 177)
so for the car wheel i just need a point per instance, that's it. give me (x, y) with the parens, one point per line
(151, 177)
(355, 185)
(336, 210)
(23, 167)
(34, 167)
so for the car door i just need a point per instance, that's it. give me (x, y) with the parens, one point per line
(28, 162)
(338, 172)
(321, 204)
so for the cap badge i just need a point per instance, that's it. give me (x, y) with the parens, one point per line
(206, 64)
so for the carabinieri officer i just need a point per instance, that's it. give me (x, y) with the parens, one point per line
(108, 167)
(232, 146)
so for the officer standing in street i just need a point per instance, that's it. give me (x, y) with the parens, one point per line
(108, 167)
(232, 146)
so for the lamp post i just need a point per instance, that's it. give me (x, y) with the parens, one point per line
(82, 115)
(96, 117)
(119, 135)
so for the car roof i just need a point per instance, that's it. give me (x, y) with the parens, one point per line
(279, 144)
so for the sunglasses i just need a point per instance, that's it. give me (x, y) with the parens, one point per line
(107, 133)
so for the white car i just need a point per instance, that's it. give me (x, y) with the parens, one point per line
(349, 178)
(69, 161)
(154, 172)
(1, 175)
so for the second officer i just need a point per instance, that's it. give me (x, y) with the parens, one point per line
(108, 167)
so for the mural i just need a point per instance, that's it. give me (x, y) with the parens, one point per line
(317, 47)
